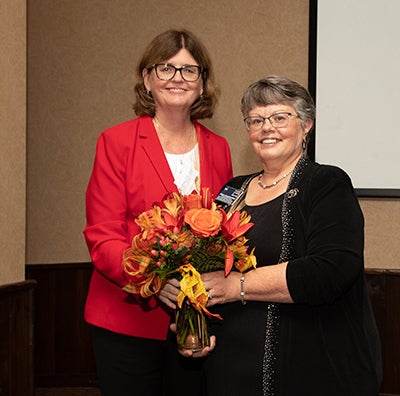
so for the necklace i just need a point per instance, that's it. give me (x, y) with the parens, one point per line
(265, 186)
(172, 145)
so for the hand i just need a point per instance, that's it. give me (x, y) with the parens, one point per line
(220, 288)
(169, 292)
(197, 354)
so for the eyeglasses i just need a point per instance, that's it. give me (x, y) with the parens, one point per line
(166, 71)
(277, 120)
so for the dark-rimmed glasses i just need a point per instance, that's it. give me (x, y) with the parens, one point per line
(166, 71)
(277, 120)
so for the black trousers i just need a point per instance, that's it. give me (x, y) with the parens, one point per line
(133, 366)
(128, 366)
(182, 376)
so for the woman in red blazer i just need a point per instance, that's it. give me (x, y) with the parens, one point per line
(137, 163)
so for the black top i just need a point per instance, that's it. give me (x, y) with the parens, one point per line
(326, 343)
(241, 335)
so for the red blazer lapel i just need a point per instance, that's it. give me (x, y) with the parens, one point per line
(153, 150)
(206, 159)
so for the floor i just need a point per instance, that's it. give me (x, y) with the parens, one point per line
(67, 392)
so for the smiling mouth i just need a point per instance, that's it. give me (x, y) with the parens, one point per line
(270, 141)
(175, 89)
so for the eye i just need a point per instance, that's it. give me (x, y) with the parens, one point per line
(256, 121)
(165, 68)
(190, 69)
(279, 117)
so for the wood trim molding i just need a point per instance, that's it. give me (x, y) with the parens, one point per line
(383, 271)
(59, 303)
(16, 341)
(59, 307)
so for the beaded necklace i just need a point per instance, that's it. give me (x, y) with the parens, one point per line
(265, 186)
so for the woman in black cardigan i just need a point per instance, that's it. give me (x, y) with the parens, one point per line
(300, 324)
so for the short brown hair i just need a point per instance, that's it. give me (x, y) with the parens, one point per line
(164, 46)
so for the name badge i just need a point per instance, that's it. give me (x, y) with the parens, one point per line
(228, 195)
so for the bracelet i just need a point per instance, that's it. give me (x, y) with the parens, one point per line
(242, 290)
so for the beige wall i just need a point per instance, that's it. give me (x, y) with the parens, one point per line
(12, 138)
(81, 56)
(382, 230)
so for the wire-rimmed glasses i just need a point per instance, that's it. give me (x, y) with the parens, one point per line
(277, 120)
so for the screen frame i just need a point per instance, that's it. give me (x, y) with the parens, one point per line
(312, 87)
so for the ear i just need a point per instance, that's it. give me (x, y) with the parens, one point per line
(146, 76)
(307, 128)
(203, 83)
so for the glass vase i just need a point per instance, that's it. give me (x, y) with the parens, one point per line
(191, 328)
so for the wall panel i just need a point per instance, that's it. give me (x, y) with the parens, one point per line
(63, 348)
(13, 139)
(81, 56)
(64, 356)
(16, 339)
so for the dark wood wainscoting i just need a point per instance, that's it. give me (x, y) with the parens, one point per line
(63, 353)
(384, 290)
(63, 349)
(16, 340)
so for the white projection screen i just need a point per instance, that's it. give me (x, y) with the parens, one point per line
(357, 90)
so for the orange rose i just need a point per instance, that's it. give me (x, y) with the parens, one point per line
(204, 222)
(192, 201)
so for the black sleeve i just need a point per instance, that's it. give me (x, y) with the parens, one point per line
(334, 240)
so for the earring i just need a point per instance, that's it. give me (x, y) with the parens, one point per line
(304, 144)
(149, 93)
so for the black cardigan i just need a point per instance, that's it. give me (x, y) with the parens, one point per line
(326, 343)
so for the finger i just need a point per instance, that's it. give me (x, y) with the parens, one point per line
(170, 289)
(199, 354)
(210, 301)
(167, 301)
(213, 343)
(174, 282)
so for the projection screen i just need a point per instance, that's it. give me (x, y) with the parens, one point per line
(357, 90)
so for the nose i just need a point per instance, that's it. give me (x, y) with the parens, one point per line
(178, 75)
(267, 126)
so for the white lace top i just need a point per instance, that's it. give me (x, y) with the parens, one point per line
(186, 170)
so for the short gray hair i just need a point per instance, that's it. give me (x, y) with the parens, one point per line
(279, 90)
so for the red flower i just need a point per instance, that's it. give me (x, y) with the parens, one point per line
(235, 226)
(183, 230)
(229, 259)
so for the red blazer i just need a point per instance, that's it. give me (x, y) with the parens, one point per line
(130, 173)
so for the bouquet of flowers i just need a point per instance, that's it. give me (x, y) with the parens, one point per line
(183, 237)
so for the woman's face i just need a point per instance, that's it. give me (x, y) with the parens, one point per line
(175, 94)
(282, 145)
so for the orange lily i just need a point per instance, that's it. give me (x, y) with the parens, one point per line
(229, 259)
(235, 226)
(173, 205)
(248, 262)
(207, 198)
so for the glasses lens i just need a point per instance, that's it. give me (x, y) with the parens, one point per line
(190, 73)
(280, 120)
(254, 123)
(165, 71)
